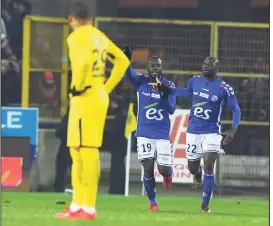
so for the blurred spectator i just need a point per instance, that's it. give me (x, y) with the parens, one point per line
(255, 93)
(262, 66)
(10, 77)
(43, 56)
(13, 13)
(63, 161)
(46, 95)
(3, 30)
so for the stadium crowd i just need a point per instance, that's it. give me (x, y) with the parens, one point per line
(12, 15)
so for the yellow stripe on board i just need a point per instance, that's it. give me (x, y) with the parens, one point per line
(248, 123)
(221, 74)
(47, 19)
(152, 21)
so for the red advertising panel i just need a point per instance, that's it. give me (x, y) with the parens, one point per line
(12, 171)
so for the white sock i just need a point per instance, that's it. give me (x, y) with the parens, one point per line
(74, 207)
(89, 210)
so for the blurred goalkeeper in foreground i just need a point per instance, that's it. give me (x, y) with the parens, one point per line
(88, 50)
(153, 126)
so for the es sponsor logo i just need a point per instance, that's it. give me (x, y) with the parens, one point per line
(154, 114)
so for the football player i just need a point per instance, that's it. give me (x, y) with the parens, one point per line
(204, 137)
(89, 101)
(153, 126)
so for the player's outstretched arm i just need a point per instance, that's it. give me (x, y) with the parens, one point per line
(131, 75)
(236, 117)
(178, 92)
(183, 92)
(121, 63)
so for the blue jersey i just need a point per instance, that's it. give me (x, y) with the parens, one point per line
(153, 111)
(208, 100)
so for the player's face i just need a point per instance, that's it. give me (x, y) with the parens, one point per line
(210, 67)
(154, 67)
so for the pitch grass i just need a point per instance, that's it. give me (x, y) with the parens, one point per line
(38, 209)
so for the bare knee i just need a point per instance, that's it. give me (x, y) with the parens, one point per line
(194, 166)
(148, 166)
(165, 171)
(208, 168)
(209, 160)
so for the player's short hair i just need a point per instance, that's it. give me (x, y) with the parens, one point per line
(79, 10)
(153, 57)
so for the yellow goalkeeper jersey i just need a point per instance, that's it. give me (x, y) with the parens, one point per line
(89, 49)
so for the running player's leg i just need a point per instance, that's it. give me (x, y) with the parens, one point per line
(164, 159)
(146, 155)
(211, 147)
(149, 182)
(196, 171)
(194, 153)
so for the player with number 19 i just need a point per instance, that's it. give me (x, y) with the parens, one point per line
(204, 137)
(153, 126)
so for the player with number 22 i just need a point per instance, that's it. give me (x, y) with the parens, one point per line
(204, 137)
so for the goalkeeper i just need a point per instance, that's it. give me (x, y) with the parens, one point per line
(88, 50)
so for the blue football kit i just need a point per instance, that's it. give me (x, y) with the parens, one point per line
(204, 128)
(153, 129)
(208, 100)
(153, 111)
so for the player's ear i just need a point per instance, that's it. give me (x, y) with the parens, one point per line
(69, 19)
(147, 66)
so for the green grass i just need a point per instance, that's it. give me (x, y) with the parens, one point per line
(38, 209)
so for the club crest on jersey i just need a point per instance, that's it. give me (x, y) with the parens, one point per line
(171, 84)
(214, 98)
